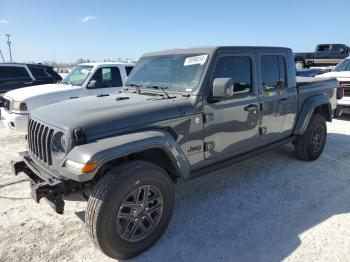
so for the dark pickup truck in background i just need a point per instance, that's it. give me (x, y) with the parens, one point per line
(182, 113)
(324, 55)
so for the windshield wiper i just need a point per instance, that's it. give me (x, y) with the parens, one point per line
(66, 82)
(161, 89)
(137, 87)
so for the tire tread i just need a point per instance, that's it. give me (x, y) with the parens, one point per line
(301, 143)
(100, 195)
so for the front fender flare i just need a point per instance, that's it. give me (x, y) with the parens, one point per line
(108, 149)
(307, 111)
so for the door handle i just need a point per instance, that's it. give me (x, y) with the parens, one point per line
(250, 107)
(283, 99)
(28, 83)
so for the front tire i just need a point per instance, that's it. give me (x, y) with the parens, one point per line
(299, 64)
(130, 208)
(310, 145)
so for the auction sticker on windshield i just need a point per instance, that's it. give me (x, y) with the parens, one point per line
(196, 60)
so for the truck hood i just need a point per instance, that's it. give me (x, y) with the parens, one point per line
(341, 76)
(108, 115)
(25, 93)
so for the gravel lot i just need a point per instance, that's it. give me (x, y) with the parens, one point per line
(269, 208)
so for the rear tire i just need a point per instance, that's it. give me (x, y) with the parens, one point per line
(130, 208)
(310, 145)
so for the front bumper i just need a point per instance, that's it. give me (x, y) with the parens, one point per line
(43, 185)
(344, 104)
(15, 121)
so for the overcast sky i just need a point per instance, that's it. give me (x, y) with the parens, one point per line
(67, 30)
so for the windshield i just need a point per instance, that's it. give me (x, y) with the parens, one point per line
(78, 75)
(343, 66)
(179, 73)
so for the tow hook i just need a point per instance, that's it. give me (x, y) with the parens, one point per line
(52, 192)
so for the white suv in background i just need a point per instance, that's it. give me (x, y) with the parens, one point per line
(84, 80)
(342, 73)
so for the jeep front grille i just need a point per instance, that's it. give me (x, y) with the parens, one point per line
(39, 141)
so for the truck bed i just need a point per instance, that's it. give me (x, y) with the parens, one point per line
(308, 86)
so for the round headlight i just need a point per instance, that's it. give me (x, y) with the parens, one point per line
(59, 143)
(64, 143)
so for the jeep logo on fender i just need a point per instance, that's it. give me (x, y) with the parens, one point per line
(194, 149)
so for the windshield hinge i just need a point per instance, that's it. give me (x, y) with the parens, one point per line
(208, 146)
(262, 130)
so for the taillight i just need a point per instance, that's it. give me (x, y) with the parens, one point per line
(340, 92)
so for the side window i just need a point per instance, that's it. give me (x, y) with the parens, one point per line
(238, 68)
(339, 48)
(39, 72)
(14, 72)
(108, 77)
(323, 48)
(335, 48)
(128, 70)
(56, 77)
(273, 72)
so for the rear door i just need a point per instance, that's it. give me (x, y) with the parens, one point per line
(13, 77)
(42, 75)
(231, 125)
(323, 55)
(278, 99)
(108, 80)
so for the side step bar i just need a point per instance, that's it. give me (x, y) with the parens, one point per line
(231, 161)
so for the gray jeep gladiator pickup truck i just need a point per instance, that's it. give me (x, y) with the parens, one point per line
(182, 113)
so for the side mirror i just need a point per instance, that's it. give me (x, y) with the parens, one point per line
(222, 87)
(343, 50)
(92, 84)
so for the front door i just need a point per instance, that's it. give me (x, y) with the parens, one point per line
(338, 53)
(107, 80)
(231, 125)
(278, 100)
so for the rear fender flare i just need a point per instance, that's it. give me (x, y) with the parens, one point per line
(307, 111)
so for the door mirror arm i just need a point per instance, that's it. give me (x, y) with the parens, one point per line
(213, 99)
(343, 51)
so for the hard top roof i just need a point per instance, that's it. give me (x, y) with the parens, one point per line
(213, 49)
(23, 64)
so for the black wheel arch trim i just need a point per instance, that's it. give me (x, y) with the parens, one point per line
(109, 149)
(307, 110)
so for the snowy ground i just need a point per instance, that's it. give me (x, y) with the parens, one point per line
(269, 208)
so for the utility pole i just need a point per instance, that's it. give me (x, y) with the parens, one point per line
(3, 59)
(9, 44)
